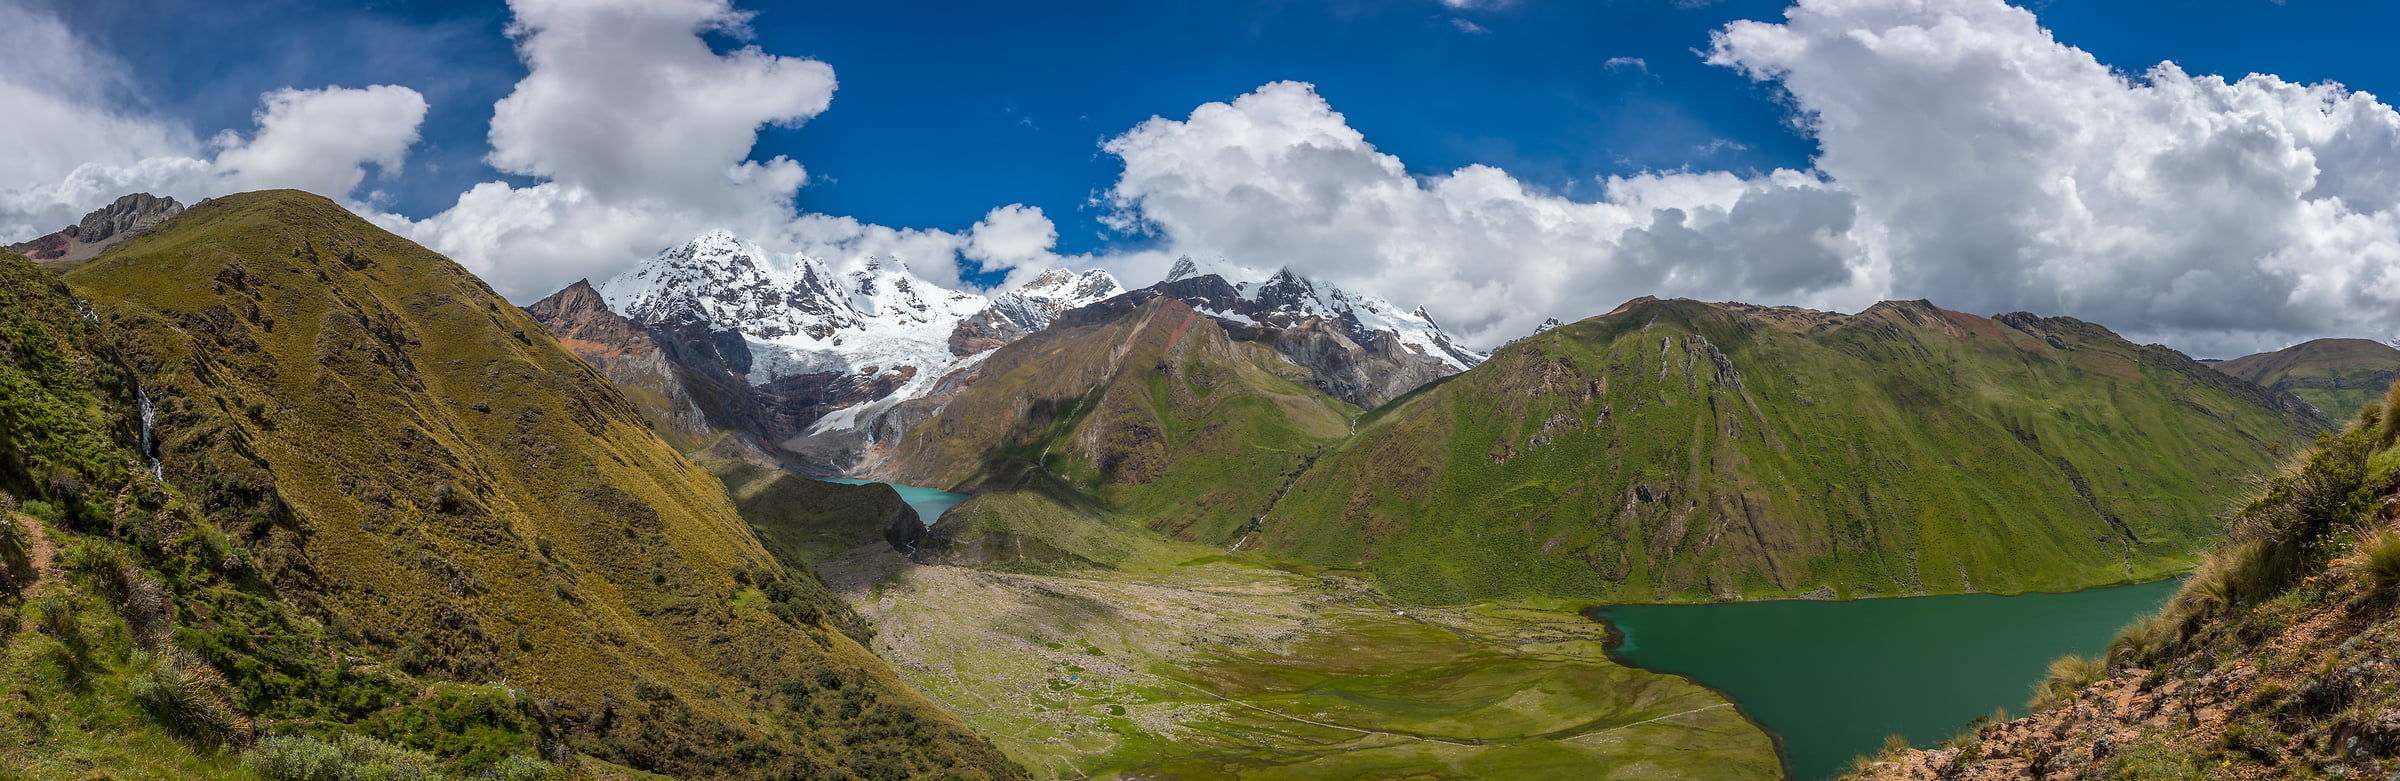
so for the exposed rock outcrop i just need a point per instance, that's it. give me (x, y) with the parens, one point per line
(102, 228)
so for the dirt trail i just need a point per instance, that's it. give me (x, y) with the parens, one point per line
(37, 544)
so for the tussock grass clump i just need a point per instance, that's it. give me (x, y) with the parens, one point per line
(61, 618)
(2375, 561)
(2145, 640)
(2068, 675)
(189, 697)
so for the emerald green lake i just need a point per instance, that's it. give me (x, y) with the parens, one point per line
(929, 503)
(1831, 679)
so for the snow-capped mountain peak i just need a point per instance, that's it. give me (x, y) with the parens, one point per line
(1286, 298)
(1033, 305)
(849, 326)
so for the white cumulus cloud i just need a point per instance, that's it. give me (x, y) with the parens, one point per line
(75, 141)
(1998, 168)
(1277, 178)
(74, 145)
(321, 140)
(1967, 156)
(641, 137)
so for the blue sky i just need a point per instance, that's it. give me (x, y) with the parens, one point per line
(945, 111)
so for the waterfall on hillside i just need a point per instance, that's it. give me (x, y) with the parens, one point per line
(149, 440)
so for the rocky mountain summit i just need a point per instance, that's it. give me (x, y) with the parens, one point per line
(813, 362)
(802, 358)
(103, 227)
(1359, 348)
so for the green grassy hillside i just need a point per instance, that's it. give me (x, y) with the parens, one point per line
(393, 507)
(804, 521)
(1092, 647)
(1681, 450)
(2275, 660)
(2340, 376)
(1140, 402)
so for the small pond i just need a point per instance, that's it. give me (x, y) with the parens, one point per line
(930, 503)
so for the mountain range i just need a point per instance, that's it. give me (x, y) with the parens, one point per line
(823, 366)
(1669, 449)
(278, 484)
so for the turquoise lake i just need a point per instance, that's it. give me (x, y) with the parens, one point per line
(1831, 679)
(929, 503)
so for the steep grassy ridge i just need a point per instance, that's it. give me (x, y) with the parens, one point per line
(1675, 449)
(2276, 660)
(427, 484)
(2340, 376)
(1139, 401)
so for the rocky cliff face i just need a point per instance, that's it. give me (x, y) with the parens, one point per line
(102, 228)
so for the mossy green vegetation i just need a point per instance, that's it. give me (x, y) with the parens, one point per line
(1089, 646)
(388, 507)
(1680, 450)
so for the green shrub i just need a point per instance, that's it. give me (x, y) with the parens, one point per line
(102, 564)
(519, 767)
(44, 510)
(2389, 431)
(2253, 736)
(342, 758)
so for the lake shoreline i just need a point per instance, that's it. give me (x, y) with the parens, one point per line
(1821, 681)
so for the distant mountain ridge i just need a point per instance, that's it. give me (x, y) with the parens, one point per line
(799, 360)
(2339, 376)
(1360, 348)
(101, 229)
(823, 368)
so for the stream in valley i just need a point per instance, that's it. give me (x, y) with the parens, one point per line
(1831, 679)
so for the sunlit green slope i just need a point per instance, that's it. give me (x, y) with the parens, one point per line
(1141, 402)
(2338, 375)
(391, 507)
(1676, 449)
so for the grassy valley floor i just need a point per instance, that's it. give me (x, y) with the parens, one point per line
(1230, 669)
